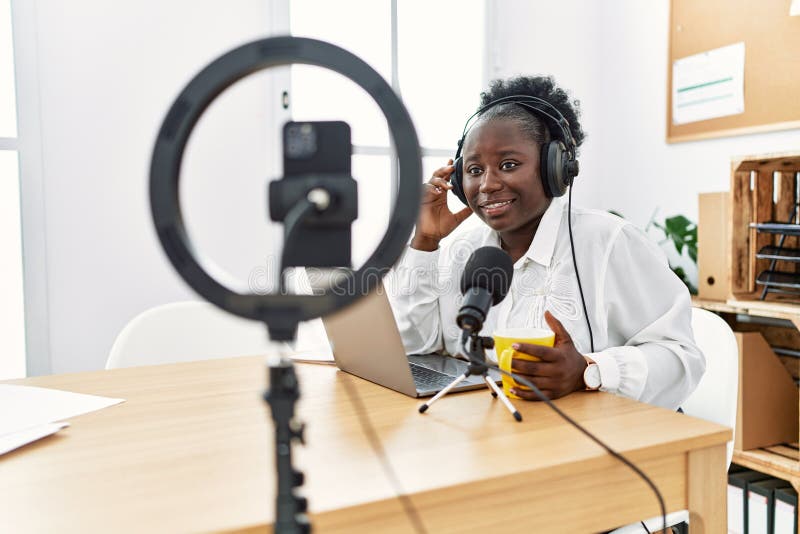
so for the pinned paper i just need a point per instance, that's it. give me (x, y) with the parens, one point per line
(708, 85)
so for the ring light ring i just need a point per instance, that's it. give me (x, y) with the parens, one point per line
(174, 133)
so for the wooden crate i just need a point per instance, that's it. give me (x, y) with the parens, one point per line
(763, 188)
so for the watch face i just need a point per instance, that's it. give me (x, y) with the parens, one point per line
(591, 376)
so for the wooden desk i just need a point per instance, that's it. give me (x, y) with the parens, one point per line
(191, 451)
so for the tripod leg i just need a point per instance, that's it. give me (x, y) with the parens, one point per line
(502, 397)
(442, 393)
(489, 383)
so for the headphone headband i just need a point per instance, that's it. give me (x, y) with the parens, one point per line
(558, 158)
(526, 101)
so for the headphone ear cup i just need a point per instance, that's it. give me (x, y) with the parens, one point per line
(553, 169)
(456, 178)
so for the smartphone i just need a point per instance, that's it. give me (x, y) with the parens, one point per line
(317, 154)
(316, 148)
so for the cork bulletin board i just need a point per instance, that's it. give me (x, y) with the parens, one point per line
(771, 62)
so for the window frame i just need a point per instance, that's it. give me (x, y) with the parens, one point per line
(31, 189)
(426, 151)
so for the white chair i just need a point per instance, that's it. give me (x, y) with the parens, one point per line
(196, 330)
(714, 399)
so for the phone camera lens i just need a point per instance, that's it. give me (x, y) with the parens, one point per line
(301, 140)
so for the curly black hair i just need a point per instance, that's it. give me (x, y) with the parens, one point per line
(543, 87)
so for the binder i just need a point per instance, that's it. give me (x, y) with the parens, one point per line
(785, 511)
(761, 503)
(737, 499)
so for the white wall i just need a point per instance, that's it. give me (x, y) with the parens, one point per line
(559, 39)
(613, 56)
(108, 72)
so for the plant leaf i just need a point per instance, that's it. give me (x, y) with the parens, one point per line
(680, 273)
(678, 224)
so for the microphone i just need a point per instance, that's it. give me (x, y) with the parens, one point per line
(484, 283)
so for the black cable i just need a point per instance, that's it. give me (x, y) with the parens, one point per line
(586, 313)
(291, 223)
(375, 442)
(575, 265)
(591, 436)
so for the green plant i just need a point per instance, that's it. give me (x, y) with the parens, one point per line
(683, 234)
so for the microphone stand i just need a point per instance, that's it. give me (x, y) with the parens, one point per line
(475, 346)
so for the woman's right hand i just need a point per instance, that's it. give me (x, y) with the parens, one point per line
(436, 221)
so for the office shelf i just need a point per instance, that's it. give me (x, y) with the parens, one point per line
(779, 280)
(780, 461)
(779, 253)
(777, 228)
(763, 211)
(774, 309)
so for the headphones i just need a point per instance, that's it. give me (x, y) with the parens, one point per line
(558, 158)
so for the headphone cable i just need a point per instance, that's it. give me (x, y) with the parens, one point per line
(575, 265)
(589, 325)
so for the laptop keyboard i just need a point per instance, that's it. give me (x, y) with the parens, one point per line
(427, 379)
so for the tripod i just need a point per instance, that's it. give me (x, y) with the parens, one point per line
(475, 346)
(282, 395)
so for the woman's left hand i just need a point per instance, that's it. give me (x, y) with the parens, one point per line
(560, 370)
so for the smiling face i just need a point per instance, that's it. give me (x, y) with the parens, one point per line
(501, 177)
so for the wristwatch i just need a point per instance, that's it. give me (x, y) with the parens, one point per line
(591, 375)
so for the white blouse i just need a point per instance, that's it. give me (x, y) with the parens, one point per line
(639, 310)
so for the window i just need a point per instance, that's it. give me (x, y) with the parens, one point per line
(431, 53)
(12, 320)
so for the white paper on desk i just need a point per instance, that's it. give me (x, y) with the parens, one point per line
(794, 8)
(735, 510)
(708, 85)
(25, 407)
(15, 440)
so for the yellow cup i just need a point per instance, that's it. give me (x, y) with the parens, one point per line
(504, 338)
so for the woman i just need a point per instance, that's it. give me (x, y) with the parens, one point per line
(640, 339)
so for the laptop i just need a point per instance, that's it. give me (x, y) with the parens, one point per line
(366, 342)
